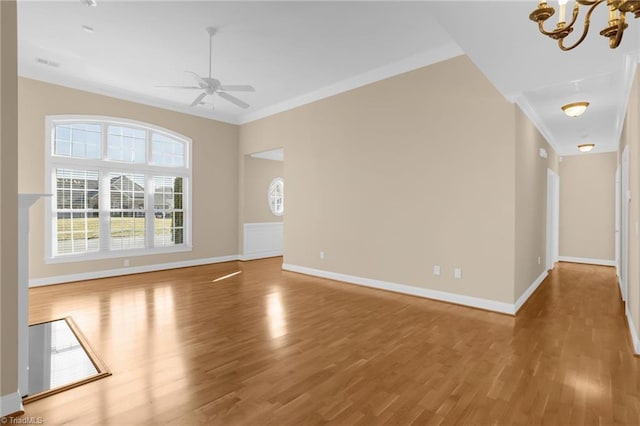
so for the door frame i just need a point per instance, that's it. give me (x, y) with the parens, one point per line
(553, 219)
(623, 271)
(618, 209)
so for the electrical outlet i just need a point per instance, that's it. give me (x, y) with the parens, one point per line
(321, 255)
(538, 260)
(436, 269)
(457, 273)
(126, 262)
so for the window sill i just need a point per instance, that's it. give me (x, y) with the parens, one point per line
(119, 254)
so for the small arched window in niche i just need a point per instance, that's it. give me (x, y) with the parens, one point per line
(275, 196)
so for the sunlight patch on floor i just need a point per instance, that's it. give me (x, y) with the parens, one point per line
(224, 277)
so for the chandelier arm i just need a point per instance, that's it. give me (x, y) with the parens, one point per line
(555, 32)
(576, 11)
(543, 31)
(615, 42)
(580, 40)
(587, 2)
(587, 22)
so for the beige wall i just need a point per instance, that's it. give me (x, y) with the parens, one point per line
(587, 206)
(9, 201)
(531, 202)
(387, 181)
(258, 174)
(215, 172)
(631, 138)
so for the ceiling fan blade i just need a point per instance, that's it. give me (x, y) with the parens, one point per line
(203, 84)
(233, 100)
(198, 99)
(237, 88)
(182, 87)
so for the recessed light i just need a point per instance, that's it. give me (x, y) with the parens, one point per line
(87, 29)
(575, 109)
(586, 147)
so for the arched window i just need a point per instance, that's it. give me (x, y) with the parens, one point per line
(276, 196)
(120, 188)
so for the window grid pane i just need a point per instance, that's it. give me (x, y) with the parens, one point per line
(166, 151)
(276, 196)
(126, 144)
(77, 140)
(169, 216)
(127, 230)
(77, 216)
(127, 217)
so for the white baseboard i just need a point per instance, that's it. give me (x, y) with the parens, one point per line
(602, 262)
(529, 291)
(37, 282)
(633, 332)
(261, 255)
(11, 403)
(459, 299)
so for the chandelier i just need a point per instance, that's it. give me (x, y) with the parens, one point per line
(614, 30)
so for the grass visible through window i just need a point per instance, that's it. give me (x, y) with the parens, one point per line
(120, 228)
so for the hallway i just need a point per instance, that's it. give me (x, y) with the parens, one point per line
(273, 347)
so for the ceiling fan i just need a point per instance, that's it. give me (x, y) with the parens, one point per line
(211, 86)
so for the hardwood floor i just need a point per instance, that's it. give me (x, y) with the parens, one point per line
(273, 347)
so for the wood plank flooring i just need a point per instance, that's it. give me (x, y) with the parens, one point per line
(278, 348)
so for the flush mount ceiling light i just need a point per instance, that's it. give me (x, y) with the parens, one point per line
(575, 109)
(585, 147)
(615, 26)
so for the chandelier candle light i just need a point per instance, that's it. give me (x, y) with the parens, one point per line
(614, 30)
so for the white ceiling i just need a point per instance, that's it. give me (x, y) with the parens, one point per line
(530, 69)
(297, 52)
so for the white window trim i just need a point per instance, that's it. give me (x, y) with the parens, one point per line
(52, 162)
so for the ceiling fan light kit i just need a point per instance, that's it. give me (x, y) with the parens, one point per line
(211, 86)
(614, 30)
